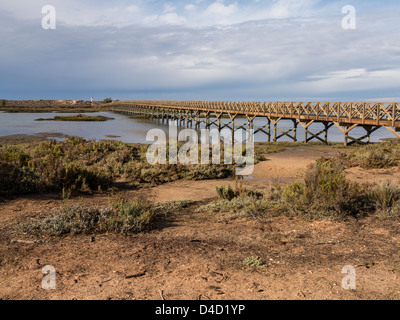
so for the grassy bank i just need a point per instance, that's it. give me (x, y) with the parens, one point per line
(76, 165)
(78, 117)
(324, 193)
(120, 216)
(374, 156)
(49, 109)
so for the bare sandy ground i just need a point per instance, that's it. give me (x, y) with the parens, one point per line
(200, 256)
(281, 167)
(378, 176)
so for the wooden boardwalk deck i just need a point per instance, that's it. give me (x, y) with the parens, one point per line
(344, 115)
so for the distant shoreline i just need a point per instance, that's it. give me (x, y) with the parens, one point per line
(78, 117)
(42, 106)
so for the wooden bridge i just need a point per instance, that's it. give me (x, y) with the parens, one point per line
(344, 115)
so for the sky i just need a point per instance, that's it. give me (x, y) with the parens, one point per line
(260, 50)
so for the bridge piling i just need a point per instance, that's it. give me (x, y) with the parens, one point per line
(346, 116)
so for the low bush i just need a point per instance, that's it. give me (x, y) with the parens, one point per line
(254, 262)
(74, 164)
(387, 200)
(107, 100)
(81, 166)
(323, 194)
(78, 117)
(226, 193)
(122, 217)
(374, 156)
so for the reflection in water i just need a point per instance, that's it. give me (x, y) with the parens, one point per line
(130, 130)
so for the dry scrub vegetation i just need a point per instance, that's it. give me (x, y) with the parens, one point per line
(374, 156)
(121, 216)
(76, 165)
(325, 193)
(77, 118)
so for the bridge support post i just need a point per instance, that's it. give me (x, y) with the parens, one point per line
(250, 122)
(284, 133)
(233, 117)
(190, 115)
(369, 130)
(294, 130)
(207, 120)
(346, 128)
(349, 140)
(262, 129)
(395, 132)
(219, 121)
(306, 126)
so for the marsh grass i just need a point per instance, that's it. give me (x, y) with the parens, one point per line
(226, 193)
(122, 216)
(172, 206)
(78, 117)
(48, 109)
(325, 193)
(387, 200)
(77, 165)
(107, 101)
(374, 156)
(254, 262)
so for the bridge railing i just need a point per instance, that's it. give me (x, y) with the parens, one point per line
(378, 113)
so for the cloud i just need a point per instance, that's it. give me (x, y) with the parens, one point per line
(354, 80)
(198, 50)
(122, 13)
(283, 9)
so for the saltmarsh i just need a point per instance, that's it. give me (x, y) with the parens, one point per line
(77, 165)
(324, 193)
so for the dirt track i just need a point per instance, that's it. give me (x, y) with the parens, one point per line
(200, 255)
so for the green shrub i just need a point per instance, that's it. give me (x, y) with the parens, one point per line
(172, 206)
(374, 156)
(386, 196)
(229, 193)
(79, 166)
(133, 216)
(325, 177)
(107, 100)
(254, 262)
(123, 217)
(78, 117)
(74, 164)
(15, 155)
(16, 180)
(226, 193)
(3, 103)
(324, 194)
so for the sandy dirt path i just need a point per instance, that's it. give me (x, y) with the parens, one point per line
(283, 167)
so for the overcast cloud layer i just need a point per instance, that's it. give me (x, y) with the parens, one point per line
(200, 49)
